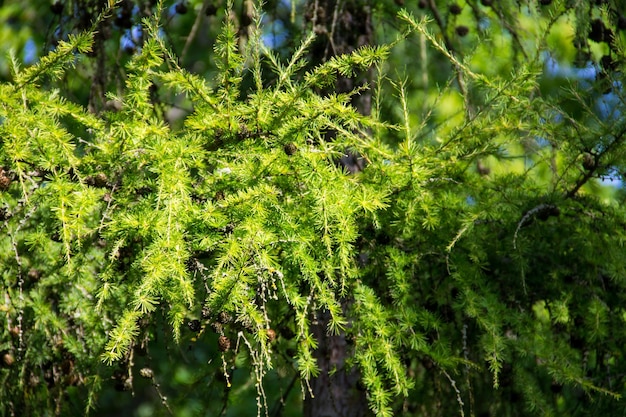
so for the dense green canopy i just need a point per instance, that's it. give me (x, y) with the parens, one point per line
(324, 207)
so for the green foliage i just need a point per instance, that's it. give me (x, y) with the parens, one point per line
(240, 189)
(475, 260)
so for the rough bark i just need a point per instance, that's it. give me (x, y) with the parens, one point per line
(335, 390)
(342, 27)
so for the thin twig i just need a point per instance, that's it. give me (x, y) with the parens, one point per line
(20, 277)
(280, 403)
(194, 31)
(526, 218)
(590, 173)
(448, 43)
(458, 393)
(163, 398)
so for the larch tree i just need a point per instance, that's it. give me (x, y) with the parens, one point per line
(326, 208)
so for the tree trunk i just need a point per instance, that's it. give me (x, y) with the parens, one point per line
(335, 392)
(342, 27)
